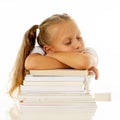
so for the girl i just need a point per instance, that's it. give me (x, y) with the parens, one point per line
(60, 46)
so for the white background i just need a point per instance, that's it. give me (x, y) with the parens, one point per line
(98, 20)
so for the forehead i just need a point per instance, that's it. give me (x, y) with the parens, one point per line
(64, 27)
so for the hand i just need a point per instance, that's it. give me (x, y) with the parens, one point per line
(95, 70)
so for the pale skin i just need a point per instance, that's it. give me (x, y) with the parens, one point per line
(66, 50)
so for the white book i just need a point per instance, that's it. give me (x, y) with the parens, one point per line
(56, 113)
(55, 83)
(60, 72)
(53, 93)
(82, 105)
(102, 96)
(40, 80)
(55, 78)
(84, 111)
(58, 99)
(51, 88)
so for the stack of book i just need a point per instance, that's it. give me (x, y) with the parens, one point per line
(60, 87)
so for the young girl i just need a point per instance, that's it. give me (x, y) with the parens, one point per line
(60, 46)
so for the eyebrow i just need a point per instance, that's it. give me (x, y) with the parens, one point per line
(79, 34)
(66, 39)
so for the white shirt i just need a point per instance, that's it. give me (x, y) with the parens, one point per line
(38, 50)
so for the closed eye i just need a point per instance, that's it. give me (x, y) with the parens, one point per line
(79, 38)
(68, 42)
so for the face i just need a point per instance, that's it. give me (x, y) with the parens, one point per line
(65, 37)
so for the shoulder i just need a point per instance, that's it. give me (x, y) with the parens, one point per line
(91, 51)
(38, 50)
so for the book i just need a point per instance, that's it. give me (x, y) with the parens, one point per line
(79, 104)
(81, 101)
(60, 87)
(70, 83)
(102, 96)
(55, 78)
(58, 112)
(34, 88)
(56, 83)
(53, 93)
(57, 98)
(60, 72)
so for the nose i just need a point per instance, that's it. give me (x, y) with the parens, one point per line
(77, 45)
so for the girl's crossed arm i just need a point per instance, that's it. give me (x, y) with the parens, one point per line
(74, 59)
(60, 60)
(77, 60)
(36, 61)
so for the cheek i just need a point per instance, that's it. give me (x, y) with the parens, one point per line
(62, 49)
(83, 44)
(67, 49)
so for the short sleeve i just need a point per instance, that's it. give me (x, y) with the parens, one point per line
(38, 50)
(92, 52)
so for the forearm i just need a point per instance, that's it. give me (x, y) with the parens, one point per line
(75, 60)
(36, 61)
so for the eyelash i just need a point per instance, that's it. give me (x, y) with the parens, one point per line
(69, 42)
(79, 38)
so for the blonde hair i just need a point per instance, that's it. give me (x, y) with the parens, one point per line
(28, 43)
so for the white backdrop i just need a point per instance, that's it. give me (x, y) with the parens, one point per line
(99, 22)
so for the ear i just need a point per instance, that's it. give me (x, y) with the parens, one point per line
(48, 49)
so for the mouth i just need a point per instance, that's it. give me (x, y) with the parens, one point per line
(81, 51)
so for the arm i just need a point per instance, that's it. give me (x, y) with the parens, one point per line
(78, 61)
(75, 60)
(37, 61)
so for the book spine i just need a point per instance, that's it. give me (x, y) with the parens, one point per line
(54, 99)
(51, 88)
(53, 93)
(53, 83)
(82, 105)
(53, 78)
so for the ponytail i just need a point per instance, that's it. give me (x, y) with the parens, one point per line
(19, 72)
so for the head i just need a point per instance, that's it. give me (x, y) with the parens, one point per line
(59, 33)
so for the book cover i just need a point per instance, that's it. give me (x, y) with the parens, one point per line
(60, 72)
